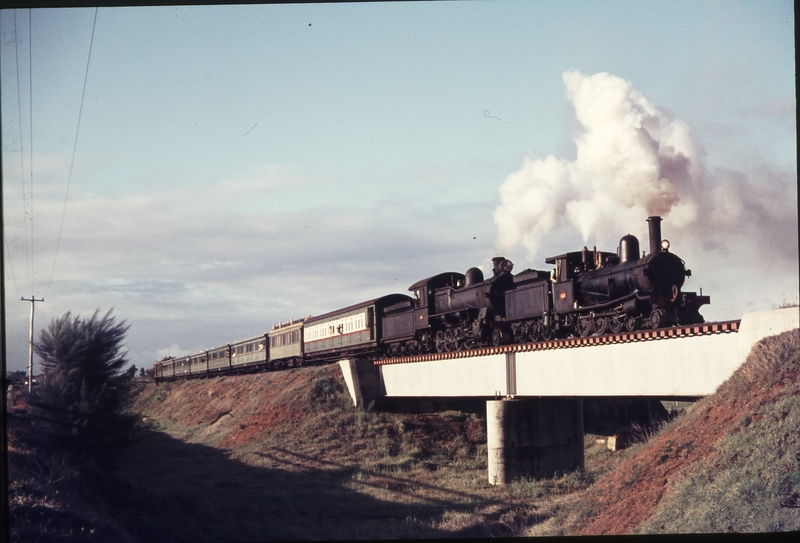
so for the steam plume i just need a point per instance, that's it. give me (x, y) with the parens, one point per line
(634, 160)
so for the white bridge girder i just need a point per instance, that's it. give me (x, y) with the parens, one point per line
(674, 367)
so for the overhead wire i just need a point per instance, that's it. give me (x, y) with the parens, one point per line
(30, 133)
(21, 163)
(74, 150)
(10, 264)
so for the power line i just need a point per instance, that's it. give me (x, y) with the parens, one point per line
(21, 155)
(30, 113)
(10, 262)
(74, 149)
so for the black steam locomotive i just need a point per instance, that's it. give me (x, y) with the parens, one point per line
(588, 292)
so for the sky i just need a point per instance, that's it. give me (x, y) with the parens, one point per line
(208, 171)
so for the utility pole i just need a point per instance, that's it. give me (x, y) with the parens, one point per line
(33, 301)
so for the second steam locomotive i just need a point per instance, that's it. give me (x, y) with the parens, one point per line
(587, 292)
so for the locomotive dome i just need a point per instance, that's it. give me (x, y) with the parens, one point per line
(473, 276)
(628, 248)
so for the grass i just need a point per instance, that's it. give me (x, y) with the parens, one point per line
(730, 463)
(752, 481)
(214, 458)
(325, 469)
(56, 495)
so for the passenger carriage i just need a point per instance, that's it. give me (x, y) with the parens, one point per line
(249, 352)
(164, 369)
(286, 344)
(183, 367)
(198, 363)
(219, 359)
(351, 331)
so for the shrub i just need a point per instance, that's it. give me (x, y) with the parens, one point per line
(84, 388)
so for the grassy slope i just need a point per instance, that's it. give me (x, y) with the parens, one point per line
(286, 456)
(751, 482)
(732, 464)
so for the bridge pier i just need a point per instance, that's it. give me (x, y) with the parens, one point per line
(533, 437)
(363, 380)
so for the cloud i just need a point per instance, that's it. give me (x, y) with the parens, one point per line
(197, 267)
(634, 160)
(784, 109)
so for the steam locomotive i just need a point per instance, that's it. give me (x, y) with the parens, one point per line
(587, 292)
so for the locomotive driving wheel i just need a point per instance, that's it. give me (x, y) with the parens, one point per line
(439, 341)
(449, 340)
(630, 323)
(600, 325)
(458, 338)
(616, 324)
(584, 326)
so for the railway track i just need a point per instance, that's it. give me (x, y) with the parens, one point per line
(704, 329)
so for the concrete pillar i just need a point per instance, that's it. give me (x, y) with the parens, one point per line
(363, 380)
(533, 437)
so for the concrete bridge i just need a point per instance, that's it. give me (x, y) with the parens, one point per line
(534, 393)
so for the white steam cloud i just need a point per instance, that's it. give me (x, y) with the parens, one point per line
(634, 160)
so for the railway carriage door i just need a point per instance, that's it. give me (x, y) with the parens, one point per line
(371, 322)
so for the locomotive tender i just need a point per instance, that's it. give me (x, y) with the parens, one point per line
(587, 292)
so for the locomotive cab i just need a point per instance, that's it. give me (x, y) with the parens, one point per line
(568, 268)
(423, 293)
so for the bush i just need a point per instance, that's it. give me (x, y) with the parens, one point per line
(84, 388)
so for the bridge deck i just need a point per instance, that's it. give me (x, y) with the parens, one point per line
(659, 363)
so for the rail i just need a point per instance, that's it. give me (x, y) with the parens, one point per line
(704, 329)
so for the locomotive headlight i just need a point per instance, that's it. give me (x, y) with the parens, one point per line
(665, 245)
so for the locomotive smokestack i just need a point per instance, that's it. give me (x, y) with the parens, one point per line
(655, 233)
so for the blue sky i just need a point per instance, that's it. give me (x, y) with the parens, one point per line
(240, 165)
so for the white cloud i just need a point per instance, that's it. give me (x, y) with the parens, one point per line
(634, 160)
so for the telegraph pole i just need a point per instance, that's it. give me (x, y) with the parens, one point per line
(33, 301)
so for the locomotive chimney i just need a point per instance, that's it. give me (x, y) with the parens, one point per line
(655, 233)
(501, 264)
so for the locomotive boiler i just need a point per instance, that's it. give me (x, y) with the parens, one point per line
(648, 286)
(599, 291)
